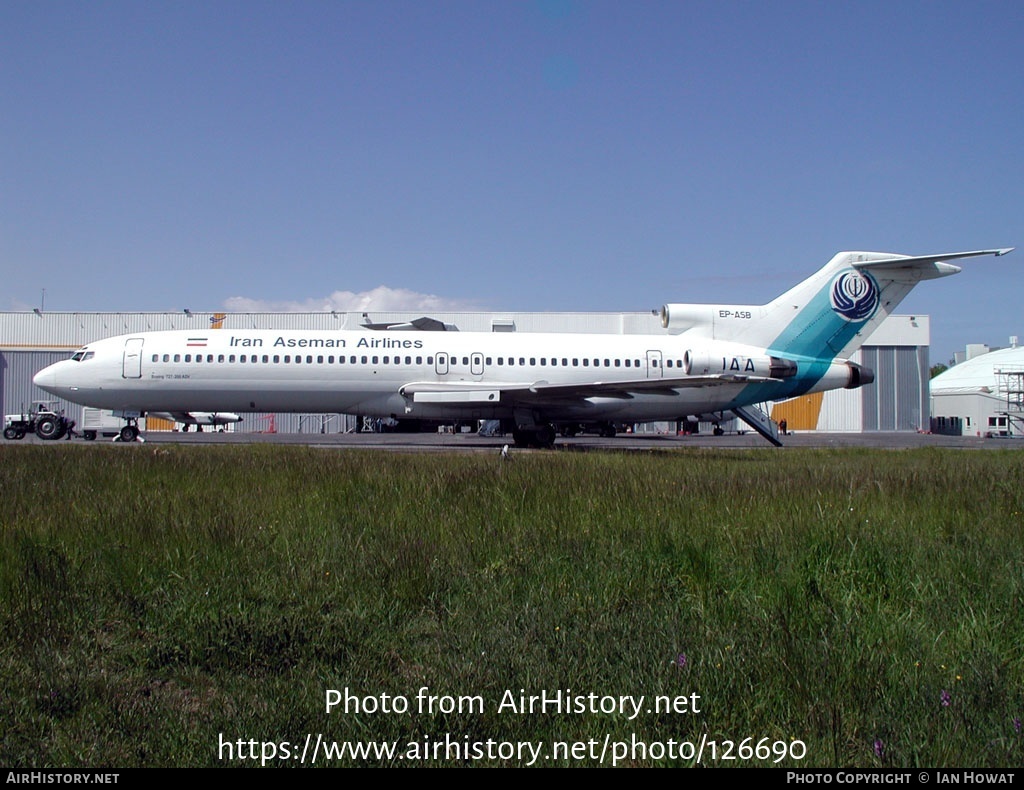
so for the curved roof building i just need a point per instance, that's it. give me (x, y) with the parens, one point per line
(983, 396)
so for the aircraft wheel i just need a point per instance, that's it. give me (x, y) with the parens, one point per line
(608, 431)
(12, 433)
(90, 435)
(49, 428)
(129, 433)
(542, 436)
(545, 436)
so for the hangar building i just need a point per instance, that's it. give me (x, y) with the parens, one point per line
(897, 352)
(981, 396)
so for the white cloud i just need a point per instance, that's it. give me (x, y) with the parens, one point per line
(380, 299)
(18, 306)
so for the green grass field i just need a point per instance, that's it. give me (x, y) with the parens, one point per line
(195, 606)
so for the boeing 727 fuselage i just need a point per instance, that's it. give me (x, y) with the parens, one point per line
(713, 358)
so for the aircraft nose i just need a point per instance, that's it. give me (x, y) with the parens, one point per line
(46, 379)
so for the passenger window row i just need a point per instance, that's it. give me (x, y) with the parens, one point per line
(453, 362)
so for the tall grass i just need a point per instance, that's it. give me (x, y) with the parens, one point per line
(868, 604)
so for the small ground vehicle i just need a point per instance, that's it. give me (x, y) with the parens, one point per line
(42, 418)
(97, 422)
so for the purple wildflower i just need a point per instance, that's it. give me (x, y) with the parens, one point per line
(944, 698)
(681, 660)
(1016, 723)
(879, 747)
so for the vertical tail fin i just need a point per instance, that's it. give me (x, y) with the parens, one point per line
(831, 313)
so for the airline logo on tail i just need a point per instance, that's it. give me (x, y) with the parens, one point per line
(854, 295)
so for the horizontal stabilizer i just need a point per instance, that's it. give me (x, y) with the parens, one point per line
(902, 261)
(921, 267)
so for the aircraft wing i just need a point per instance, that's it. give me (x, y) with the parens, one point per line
(542, 391)
(172, 416)
(198, 417)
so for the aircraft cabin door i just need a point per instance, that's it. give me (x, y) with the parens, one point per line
(441, 364)
(654, 365)
(132, 364)
(476, 364)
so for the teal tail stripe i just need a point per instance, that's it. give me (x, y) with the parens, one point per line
(811, 339)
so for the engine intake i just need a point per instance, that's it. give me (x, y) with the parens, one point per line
(685, 316)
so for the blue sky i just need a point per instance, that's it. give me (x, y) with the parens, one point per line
(506, 155)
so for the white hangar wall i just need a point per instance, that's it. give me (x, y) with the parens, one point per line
(982, 396)
(897, 352)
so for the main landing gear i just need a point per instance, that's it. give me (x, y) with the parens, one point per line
(130, 432)
(606, 430)
(542, 436)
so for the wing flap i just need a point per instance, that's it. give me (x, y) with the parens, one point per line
(456, 396)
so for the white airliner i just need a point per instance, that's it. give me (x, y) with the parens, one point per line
(713, 358)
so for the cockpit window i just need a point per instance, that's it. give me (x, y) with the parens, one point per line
(82, 355)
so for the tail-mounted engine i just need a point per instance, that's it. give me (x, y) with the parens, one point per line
(843, 374)
(706, 363)
(859, 376)
(680, 317)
